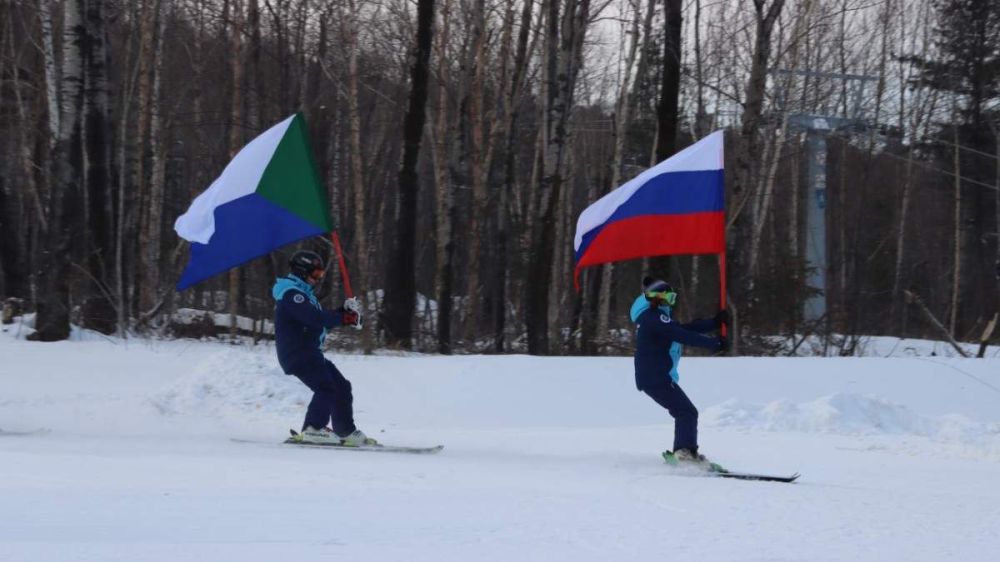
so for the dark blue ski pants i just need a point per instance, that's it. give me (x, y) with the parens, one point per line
(670, 396)
(332, 400)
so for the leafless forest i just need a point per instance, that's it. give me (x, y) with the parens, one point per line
(460, 139)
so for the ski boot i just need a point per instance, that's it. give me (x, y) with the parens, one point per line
(358, 439)
(323, 436)
(689, 457)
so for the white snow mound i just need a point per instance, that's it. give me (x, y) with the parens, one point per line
(234, 383)
(847, 413)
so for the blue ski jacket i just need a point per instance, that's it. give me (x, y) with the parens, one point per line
(659, 341)
(300, 324)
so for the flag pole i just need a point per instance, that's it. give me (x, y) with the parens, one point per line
(343, 265)
(722, 286)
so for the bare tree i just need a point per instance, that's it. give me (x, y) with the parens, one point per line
(765, 16)
(53, 304)
(670, 86)
(911, 125)
(149, 202)
(236, 136)
(623, 109)
(22, 210)
(400, 271)
(515, 88)
(956, 282)
(566, 26)
(151, 228)
(351, 29)
(51, 75)
(763, 197)
(444, 198)
(478, 165)
(99, 305)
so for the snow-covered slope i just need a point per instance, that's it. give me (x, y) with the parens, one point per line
(545, 459)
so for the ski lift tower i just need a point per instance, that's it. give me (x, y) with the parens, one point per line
(818, 123)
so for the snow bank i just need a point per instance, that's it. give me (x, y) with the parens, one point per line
(234, 384)
(852, 414)
(945, 401)
(880, 346)
(838, 413)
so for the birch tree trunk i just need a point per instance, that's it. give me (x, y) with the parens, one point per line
(700, 126)
(754, 97)
(910, 127)
(763, 207)
(623, 109)
(51, 72)
(148, 272)
(123, 214)
(53, 303)
(515, 87)
(565, 31)
(852, 262)
(747, 155)
(151, 237)
(351, 30)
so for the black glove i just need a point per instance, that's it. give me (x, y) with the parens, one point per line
(721, 318)
(722, 346)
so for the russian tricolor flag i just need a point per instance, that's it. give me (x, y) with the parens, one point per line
(675, 207)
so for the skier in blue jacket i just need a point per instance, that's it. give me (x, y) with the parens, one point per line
(658, 343)
(300, 325)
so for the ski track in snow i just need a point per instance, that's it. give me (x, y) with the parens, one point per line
(545, 459)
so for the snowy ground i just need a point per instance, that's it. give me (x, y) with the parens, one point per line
(545, 459)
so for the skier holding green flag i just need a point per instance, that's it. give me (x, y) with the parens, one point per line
(300, 325)
(268, 196)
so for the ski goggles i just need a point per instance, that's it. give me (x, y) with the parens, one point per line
(669, 297)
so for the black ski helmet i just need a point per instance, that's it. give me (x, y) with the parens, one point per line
(304, 262)
(658, 289)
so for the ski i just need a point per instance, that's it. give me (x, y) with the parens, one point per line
(757, 477)
(707, 468)
(369, 448)
(5, 433)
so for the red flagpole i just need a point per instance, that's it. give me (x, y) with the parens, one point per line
(343, 265)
